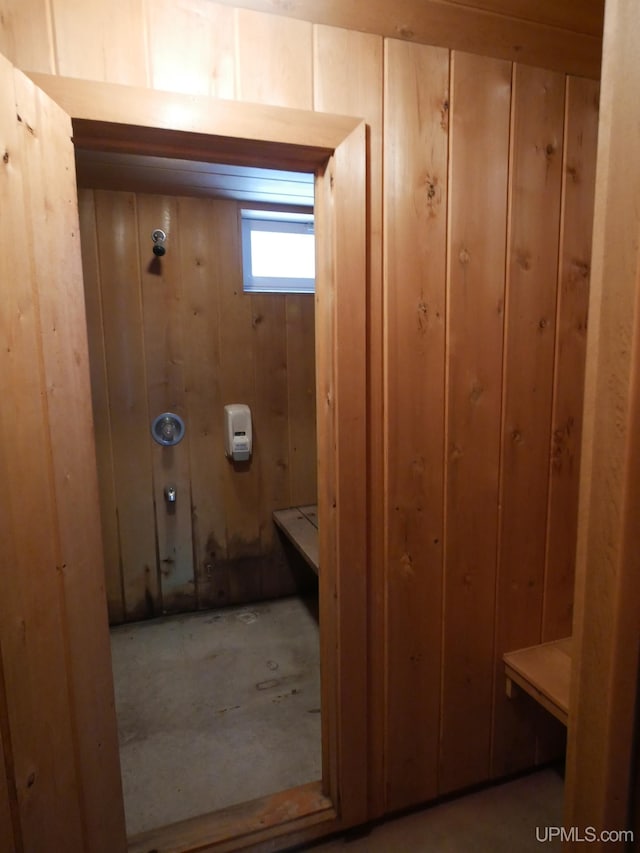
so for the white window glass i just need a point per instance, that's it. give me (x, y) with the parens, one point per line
(278, 252)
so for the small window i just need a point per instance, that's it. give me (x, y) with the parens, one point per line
(278, 252)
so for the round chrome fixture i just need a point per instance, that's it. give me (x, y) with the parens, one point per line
(168, 429)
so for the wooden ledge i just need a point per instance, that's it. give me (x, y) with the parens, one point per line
(544, 672)
(300, 525)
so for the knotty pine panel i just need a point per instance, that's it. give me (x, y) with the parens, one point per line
(415, 170)
(478, 178)
(57, 270)
(255, 56)
(191, 47)
(581, 134)
(532, 272)
(32, 627)
(274, 60)
(95, 43)
(334, 50)
(56, 695)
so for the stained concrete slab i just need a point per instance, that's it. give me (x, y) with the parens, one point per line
(216, 708)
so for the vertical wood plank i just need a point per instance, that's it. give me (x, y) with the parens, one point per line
(203, 263)
(581, 136)
(100, 402)
(351, 475)
(335, 50)
(124, 347)
(274, 60)
(301, 393)
(415, 167)
(32, 639)
(191, 47)
(271, 415)
(532, 266)
(55, 242)
(7, 837)
(478, 167)
(604, 683)
(25, 35)
(324, 216)
(237, 368)
(94, 42)
(161, 287)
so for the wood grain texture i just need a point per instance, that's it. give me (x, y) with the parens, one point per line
(582, 16)
(534, 211)
(25, 35)
(57, 712)
(163, 334)
(579, 161)
(270, 416)
(279, 72)
(334, 50)
(33, 638)
(478, 173)
(458, 26)
(324, 215)
(7, 798)
(92, 43)
(415, 168)
(544, 672)
(111, 117)
(100, 404)
(202, 255)
(130, 420)
(301, 380)
(603, 704)
(348, 244)
(191, 47)
(55, 245)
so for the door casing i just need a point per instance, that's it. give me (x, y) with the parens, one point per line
(111, 117)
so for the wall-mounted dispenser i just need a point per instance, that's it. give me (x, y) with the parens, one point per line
(237, 432)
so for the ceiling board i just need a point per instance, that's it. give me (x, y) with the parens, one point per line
(134, 173)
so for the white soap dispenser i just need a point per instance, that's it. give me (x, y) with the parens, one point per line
(237, 432)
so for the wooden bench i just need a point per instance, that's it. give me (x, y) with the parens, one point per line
(300, 525)
(544, 672)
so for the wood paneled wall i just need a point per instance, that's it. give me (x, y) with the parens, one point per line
(178, 334)
(479, 244)
(57, 724)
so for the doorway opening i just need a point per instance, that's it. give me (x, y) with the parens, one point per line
(221, 703)
(112, 118)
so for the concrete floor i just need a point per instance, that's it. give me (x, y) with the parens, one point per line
(506, 818)
(221, 707)
(216, 708)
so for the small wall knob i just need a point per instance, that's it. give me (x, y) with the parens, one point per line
(170, 494)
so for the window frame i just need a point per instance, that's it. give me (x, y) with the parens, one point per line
(278, 221)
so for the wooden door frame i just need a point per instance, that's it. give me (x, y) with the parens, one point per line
(113, 117)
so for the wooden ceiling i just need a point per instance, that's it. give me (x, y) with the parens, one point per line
(563, 35)
(135, 173)
(581, 16)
